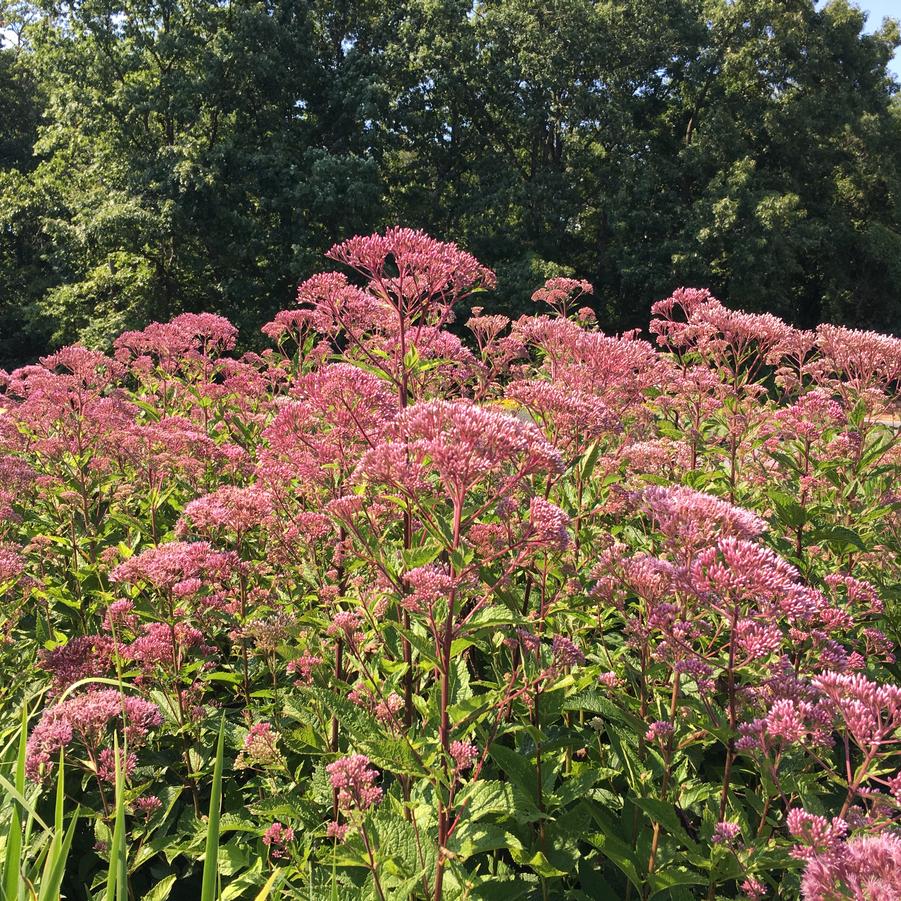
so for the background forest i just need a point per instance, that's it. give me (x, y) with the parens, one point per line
(159, 156)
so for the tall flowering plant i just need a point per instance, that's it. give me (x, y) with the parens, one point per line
(516, 610)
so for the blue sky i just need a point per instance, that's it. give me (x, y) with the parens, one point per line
(878, 10)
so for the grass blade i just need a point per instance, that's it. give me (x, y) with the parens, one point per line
(50, 888)
(117, 874)
(56, 833)
(12, 866)
(208, 891)
(16, 795)
(60, 843)
(266, 890)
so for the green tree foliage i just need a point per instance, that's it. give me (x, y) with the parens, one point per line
(192, 155)
(166, 155)
(21, 270)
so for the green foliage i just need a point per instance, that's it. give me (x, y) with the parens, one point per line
(117, 875)
(283, 667)
(209, 890)
(34, 864)
(193, 155)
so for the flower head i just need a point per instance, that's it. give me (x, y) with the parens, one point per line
(229, 509)
(725, 833)
(659, 731)
(276, 838)
(147, 805)
(463, 445)
(168, 565)
(354, 781)
(260, 747)
(691, 519)
(416, 273)
(464, 754)
(561, 294)
(85, 718)
(548, 525)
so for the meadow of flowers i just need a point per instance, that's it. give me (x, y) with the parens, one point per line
(385, 612)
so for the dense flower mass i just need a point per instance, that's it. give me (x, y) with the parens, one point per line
(171, 566)
(463, 444)
(85, 718)
(865, 866)
(692, 519)
(230, 508)
(541, 612)
(410, 268)
(354, 781)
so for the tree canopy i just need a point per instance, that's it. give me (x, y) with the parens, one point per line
(158, 156)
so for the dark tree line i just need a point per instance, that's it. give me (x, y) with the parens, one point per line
(168, 155)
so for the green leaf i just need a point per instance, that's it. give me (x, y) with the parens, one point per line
(497, 888)
(665, 814)
(839, 539)
(420, 556)
(58, 852)
(622, 743)
(473, 838)
(266, 890)
(161, 891)
(489, 797)
(117, 874)
(12, 864)
(209, 886)
(395, 842)
(788, 509)
(516, 767)
(231, 678)
(367, 734)
(15, 794)
(619, 854)
(669, 877)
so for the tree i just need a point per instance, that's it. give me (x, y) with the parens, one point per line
(20, 263)
(187, 160)
(202, 154)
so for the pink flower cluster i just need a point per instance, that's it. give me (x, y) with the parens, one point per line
(561, 294)
(464, 754)
(354, 781)
(463, 445)
(864, 866)
(82, 657)
(690, 519)
(260, 747)
(870, 712)
(277, 838)
(412, 269)
(571, 546)
(229, 508)
(85, 718)
(176, 566)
